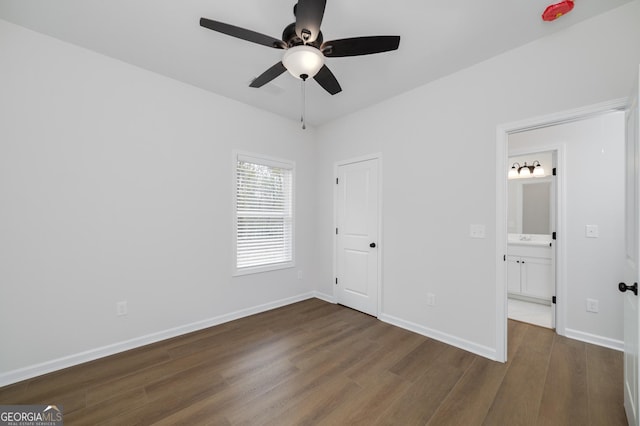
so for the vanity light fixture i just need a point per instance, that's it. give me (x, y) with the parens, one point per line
(517, 171)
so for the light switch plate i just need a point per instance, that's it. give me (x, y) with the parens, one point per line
(591, 231)
(477, 231)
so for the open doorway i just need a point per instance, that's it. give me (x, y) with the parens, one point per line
(531, 221)
(588, 204)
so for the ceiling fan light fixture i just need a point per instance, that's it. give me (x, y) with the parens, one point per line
(300, 60)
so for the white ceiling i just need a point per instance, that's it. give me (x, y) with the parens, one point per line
(164, 36)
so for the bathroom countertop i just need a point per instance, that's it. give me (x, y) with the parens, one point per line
(539, 243)
(529, 240)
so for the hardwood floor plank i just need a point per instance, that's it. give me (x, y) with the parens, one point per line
(516, 331)
(470, 399)
(311, 409)
(412, 366)
(394, 345)
(209, 332)
(234, 398)
(230, 340)
(121, 403)
(605, 390)
(421, 400)
(145, 376)
(150, 413)
(283, 346)
(370, 403)
(518, 399)
(565, 393)
(187, 384)
(334, 336)
(14, 393)
(314, 362)
(316, 370)
(95, 372)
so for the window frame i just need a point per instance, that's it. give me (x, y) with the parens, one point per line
(270, 162)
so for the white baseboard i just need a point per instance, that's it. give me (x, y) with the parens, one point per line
(325, 297)
(466, 345)
(31, 371)
(618, 345)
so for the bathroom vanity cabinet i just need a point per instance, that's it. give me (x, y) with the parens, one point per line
(530, 271)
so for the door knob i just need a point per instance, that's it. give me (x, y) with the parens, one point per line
(372, 245)
(623, 287)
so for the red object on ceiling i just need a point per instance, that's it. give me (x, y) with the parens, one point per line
(553, 12)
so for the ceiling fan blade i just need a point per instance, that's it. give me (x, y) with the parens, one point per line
(268, 75)
(327, 80)
(309, 15)
(359, 46)
(242, 33)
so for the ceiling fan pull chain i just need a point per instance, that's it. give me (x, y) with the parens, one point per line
(304, 101)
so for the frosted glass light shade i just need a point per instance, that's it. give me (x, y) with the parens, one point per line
(525, 172)
(513, 173)
(300, 60)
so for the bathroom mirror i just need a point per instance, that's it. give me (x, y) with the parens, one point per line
(529, 206)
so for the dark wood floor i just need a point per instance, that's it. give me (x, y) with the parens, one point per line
(318, 363)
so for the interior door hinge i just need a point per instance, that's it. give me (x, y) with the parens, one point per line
(504, 258)
(336, 231)
(336, 281)
(553, 235)
(553, 300)
(554, 171)
(336, 181)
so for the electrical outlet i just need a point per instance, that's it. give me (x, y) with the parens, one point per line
(477, 231)
(592, 305)
(121, 308)
(431, 299)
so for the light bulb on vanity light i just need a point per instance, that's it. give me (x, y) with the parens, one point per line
(513, 171)
(538, 170)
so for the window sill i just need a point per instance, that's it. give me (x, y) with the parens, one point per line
(265, 268)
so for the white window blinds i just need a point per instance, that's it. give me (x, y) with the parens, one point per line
(264, 213)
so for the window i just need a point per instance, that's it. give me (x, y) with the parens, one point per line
(264, 214)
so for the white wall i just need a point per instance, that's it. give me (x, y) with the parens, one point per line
(594, 179)
(116, 184)
(439, 159)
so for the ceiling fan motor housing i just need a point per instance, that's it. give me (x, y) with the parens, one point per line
(290, 37)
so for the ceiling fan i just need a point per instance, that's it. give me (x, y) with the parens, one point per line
(304, 47)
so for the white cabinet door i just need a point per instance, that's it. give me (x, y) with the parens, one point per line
(536, 277)
(513, 274)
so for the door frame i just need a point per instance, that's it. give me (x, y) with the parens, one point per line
(502, 136)
(375, 156)
(559, 150)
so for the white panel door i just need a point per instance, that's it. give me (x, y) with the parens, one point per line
(632, 230)
(357, 236)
